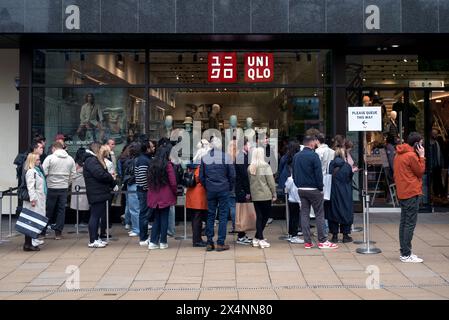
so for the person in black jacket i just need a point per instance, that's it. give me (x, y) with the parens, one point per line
(99, 183)
(242, 191)
(308, 177)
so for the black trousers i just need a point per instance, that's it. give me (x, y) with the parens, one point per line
(334, 226)
(97, 211)
(263, 212)
(294, 221)
(197, 225)
(28, 242)
(55, 211)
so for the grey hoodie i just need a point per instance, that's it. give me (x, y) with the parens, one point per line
(60, 169)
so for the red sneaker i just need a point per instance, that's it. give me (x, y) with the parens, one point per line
(308, 245)
(327, 245)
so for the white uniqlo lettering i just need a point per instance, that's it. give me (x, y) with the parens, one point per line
(228, 72)
(215, 71)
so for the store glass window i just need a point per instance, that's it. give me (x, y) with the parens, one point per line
(291, 111)
(185, 68)
(84, 115)
(77, 67)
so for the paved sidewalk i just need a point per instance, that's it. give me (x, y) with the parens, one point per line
(124, 270)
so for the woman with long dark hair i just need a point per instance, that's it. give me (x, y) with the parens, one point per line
(161, 195)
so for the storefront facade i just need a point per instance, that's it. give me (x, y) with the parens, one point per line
(142, 61)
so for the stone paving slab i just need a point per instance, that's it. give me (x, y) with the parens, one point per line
(124, 270)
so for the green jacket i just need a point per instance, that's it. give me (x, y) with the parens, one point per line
(262, 184)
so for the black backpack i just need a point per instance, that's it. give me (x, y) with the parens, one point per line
(22, 190)
(188, 179)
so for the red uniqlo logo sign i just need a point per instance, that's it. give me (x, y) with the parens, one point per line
(259, 67)
(222, 67)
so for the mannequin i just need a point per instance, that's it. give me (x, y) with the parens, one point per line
(213, 118)
(249, 123)
(188, 123)
(168, 124)
(393, 127)
(233, 122)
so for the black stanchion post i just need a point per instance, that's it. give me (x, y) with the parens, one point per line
(77, 190)
(287, 218)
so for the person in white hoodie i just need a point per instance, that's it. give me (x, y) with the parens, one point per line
(59, 168)
(294, 207)
(326, 155)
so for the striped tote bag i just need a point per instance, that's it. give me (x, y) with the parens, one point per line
(31, 223)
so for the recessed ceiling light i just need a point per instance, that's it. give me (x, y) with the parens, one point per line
(405, 60)
(395, 46)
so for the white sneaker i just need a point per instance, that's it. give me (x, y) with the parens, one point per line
(256, 242)
(96, 244)
(103, 242)
(133, 234)
(300, 233)
(150, 226)
(264, 244)
(288, 238)
(270, 221)
(127, 226)
(411, 259)
(296, 240)
(144, 243)
(163, 245)
(152, 246)
(37, 242)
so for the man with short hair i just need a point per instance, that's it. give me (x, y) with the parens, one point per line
(59, 169)
(217, 175)
(409, 168)
(308, 176)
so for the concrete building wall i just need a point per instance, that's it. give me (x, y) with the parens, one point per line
(9, 119)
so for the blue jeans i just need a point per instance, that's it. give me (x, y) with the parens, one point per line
(220, 199)
(160, 225)
(232, 209)
(144, 214)
(133, 207)
(171, 221)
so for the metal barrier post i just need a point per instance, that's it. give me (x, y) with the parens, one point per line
(287, 218)
(77, 189)
(185, 237)
(10, 212)
(1, 219)
(366, 235)
(107, 221)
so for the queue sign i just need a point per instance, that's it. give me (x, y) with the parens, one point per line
(365, 119)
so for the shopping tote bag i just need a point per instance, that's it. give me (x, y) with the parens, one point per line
(31, 223)
(245, 217)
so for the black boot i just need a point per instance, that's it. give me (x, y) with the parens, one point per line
(334, 238)
(347, 238)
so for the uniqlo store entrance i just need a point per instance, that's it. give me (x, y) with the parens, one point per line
(92, 95)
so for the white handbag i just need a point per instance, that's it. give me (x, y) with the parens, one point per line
(327, 184)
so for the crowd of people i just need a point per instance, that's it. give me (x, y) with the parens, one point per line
(216, 182)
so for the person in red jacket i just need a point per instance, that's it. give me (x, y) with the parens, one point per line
(409, 168)
(162, 189)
